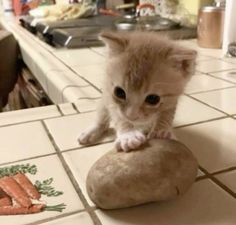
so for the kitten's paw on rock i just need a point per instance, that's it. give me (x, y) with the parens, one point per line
(90, 135)
(162, 134)
(130, 140)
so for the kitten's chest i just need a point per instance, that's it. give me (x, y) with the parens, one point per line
(145, 128)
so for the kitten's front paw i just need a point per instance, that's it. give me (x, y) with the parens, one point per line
(90, 135)
(130, 140)
(162, 134)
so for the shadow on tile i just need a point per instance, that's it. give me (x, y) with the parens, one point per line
(211, 143)
(205, 203)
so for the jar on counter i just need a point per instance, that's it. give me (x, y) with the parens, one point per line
(210, 26)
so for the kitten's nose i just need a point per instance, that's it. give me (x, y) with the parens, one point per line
(131, 115)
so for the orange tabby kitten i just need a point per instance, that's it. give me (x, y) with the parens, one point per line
(146, 74)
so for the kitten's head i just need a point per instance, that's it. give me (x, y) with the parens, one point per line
(145, 73)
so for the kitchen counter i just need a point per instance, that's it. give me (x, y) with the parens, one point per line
(46, 137)
(61, 72)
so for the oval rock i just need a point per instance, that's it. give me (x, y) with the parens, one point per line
(160, 170)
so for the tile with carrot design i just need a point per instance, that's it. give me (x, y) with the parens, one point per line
(34, 190)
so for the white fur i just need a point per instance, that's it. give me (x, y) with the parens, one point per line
(162, 134)
(90, 135)
(130, 140)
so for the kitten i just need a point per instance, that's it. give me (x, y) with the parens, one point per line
(146, 74)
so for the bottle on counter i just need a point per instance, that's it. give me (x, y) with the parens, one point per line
(210, 26)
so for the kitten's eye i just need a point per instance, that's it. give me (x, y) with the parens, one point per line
(119, 93)
(152, 99)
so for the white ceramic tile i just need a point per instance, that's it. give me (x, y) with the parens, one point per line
(60, 182)
(85, 105)
(200, 173)
(191, 111)
(205, 203)
(103, 50)
(79, 57)
(17, 142)
(199, 83)
(93, 73)
(39, 62)
(72, 94)
(203, 58)
(229, 59)
(25, 115)
(82, 218)
(74, 79)
(228, 179)
(214, 65)
(80, 162)
(227, 75)
(66, 130)
(28, 57)
(221, 99)
(34, 69)
(215, 53)
(187, 43)
(213, 143)
(57, 81)
(42, 67)
(67, 109)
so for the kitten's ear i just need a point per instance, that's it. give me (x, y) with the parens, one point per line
(117, 42)
(184, 60)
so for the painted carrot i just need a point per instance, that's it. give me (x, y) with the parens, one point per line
(26, 184)
(5, 200)
(15, 191)
(17, 210)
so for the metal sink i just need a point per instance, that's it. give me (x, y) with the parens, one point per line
(84, 32)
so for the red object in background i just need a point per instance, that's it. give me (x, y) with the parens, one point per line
(17, 7)
(21, 8)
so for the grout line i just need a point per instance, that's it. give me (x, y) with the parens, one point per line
(192, 97)
(29, 121)
(72, 70)
(224, 171)
(207, 91)
(70, 114)
(91, 48)
(227, 115)
(72, 178)
(75, 107)
(88, 111)
(75, 85)
(43, 119)
(218, 183)
(59, 109)
(64, 215)
(24, 159)
(217, 71)
(87, 146)
(201, 178)
(219, 78)
(201, 122)
(89, 98)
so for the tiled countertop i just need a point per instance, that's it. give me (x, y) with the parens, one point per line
(61, 72)
(47, 137)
